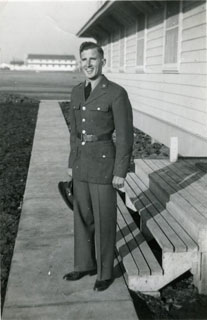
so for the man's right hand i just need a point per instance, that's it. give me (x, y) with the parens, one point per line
(70, 172)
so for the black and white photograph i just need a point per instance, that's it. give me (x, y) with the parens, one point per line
(103, 170)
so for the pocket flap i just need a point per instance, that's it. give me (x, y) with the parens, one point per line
(104, 152)
(101, 108)
(76, 107)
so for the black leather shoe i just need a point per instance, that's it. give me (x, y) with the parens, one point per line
(101, 285)
(76, 275)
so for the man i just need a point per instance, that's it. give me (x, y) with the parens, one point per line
(97, 165)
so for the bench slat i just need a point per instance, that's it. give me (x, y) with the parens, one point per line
(159, 236)
(148, 254)
(124, 252)
(176, 241)
(143, 268)
(153, 264)
(190, 243)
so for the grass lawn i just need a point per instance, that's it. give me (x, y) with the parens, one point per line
(17, 126)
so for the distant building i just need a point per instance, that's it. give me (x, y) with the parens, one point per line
(16, 65)
(51, 62)
(157, 51)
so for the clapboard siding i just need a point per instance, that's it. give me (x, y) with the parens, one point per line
(194, 44)
(177, 120)
(162, 88)
(171, 100)
(131, 42)
(168, 108)
(193, 68)
(155, 34)
(172, 79)
(194, 56)
(189, 9)
(194, 20)
(156, 60)
(155, 43)
(194, 32)
(154, 51)
(160, 93)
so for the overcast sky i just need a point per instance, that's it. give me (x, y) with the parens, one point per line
(41, 27)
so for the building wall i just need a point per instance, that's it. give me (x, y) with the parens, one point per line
(167, 87)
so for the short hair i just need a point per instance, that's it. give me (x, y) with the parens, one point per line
(91, 45)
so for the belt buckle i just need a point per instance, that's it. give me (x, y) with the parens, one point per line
(83, 137)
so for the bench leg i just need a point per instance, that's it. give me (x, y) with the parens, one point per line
(200, 276)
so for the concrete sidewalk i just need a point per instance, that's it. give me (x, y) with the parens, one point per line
(44, 246)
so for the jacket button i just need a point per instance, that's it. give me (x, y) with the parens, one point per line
(83, 108)
(83, 120)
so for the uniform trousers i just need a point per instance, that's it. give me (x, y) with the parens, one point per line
(95, 217)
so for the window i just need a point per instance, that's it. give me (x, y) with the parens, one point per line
(130, 48)
(140, 41)
(122, 48)
(171, 46)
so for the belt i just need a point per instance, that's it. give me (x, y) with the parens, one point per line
(92, 137)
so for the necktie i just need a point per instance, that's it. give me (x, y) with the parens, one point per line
(87, 90)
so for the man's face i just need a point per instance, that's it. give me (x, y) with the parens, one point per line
(92, 63)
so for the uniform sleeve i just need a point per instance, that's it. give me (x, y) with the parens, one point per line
(73, 133)
(123, 120)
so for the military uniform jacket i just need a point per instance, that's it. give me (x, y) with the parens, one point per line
(106, 109)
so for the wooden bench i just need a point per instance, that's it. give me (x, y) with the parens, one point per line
(173, 212)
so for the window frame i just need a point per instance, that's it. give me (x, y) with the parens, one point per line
(172, 67)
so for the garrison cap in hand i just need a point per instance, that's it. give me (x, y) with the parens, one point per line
(66, 191)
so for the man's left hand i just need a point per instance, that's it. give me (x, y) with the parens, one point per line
(118, 182)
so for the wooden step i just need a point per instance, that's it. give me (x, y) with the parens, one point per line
(187, 180)
(161, 224)
(173, 179)
(144, 273)
(189, 174)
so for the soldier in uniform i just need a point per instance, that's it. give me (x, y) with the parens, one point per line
(98, 166)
